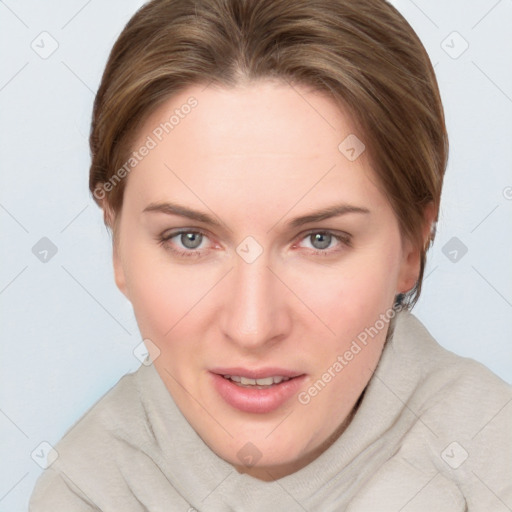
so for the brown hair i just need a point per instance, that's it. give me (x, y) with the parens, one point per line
(362, 53)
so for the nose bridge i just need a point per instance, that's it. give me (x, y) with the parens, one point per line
(253, 314)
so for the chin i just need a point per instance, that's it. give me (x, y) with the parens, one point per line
(266, 458)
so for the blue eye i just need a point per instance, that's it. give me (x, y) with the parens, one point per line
(321, 241)
(189, 242)
(190, 239)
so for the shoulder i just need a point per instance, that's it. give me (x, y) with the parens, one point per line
(463, 417)
(118, 412)
(460, 385)
(91, 450)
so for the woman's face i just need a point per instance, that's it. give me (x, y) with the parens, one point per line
(252, 246)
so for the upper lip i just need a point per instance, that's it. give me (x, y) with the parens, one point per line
(257, 373)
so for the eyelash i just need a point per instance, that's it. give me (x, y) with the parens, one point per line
(345, 239)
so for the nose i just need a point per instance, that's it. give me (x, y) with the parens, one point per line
(255, 313)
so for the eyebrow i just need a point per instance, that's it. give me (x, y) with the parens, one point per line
(205, 218)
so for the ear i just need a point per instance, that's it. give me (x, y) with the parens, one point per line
(410, 269)
(119, 274)
(112, 222)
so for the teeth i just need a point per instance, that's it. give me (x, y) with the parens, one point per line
(246, 381)
(267, 381)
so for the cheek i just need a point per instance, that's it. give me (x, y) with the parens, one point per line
(352, 304)
(160, 292)
(353, 300)
(352, 296)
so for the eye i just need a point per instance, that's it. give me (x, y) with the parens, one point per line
(188, 242)
(192, 243)
(327, 242)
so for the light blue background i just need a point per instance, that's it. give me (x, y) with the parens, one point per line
(68, 334)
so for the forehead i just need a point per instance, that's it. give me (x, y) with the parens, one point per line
(264, 140)
(268, 116)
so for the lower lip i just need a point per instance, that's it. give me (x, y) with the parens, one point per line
(256, 400)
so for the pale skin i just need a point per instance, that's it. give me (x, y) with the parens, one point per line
(255, 157)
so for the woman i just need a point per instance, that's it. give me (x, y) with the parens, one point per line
(271, 172)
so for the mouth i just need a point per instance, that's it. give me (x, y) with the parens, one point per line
(256, 391)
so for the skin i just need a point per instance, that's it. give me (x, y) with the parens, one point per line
(255, 157)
